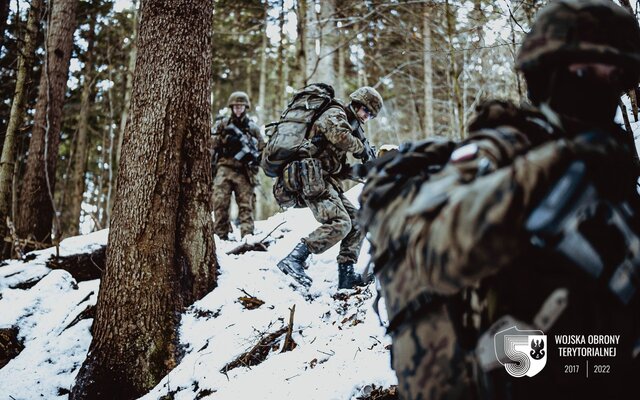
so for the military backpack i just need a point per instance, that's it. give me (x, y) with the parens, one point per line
(288, 136)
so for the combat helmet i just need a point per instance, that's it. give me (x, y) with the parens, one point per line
(239, 98)
(582, 31)
(368, 97)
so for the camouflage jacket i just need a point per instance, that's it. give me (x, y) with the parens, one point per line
(332, 134)
(449, 230)
(218, 140)
(455, 234)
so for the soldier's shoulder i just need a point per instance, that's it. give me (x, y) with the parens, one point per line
(499, 116)
(334, 112)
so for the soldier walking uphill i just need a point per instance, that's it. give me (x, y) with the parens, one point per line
(236, 144)
(532, 222)
(315, 174)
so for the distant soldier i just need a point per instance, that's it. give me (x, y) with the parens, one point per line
(333, 135)
(533, 223)
(236, 145)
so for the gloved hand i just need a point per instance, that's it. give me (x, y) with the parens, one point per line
(362, 155)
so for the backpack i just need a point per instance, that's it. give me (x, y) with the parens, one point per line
(288, 135)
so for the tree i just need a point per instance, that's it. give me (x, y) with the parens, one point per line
(4, 13)
(36, 212)
(82, 145)
(7, 163)
(161, 254)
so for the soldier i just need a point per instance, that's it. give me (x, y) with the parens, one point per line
(236, 144)
(531, 222)
(332, 134)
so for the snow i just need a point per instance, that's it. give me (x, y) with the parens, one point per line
(341, 346)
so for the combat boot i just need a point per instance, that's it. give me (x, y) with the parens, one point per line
(293, 264)
(347, 279)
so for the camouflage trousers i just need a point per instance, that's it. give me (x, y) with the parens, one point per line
(228, 180)
(428, 361)
(338, 218)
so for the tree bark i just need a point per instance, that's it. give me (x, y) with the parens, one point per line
(161, 254)
(82, 145)
(454, 73)
(262, 89)
(428, 125)
(8, 160)
(301, 27)
(282, 60)
(35, 216)
(127, 94)
(321, 42)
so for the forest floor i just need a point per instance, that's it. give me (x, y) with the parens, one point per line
(232, 340)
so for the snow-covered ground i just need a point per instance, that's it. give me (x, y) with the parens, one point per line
(341, 348)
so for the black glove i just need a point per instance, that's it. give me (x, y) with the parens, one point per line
(362, 155)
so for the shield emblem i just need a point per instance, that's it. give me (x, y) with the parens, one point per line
(522, 353)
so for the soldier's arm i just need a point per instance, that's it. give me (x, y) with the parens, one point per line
(334, 124)
(479, 227)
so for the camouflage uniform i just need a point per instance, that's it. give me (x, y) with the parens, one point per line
(331, 139)
(233, 176)
(336, 214)
(450, 245)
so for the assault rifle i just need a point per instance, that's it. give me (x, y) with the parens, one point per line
(242, 147)
(369, 153)
(574, 219)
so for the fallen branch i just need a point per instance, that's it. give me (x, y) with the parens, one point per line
(289, 343)
(261, 245)
(257, 354)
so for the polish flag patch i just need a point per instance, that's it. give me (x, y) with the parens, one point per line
(465, 153)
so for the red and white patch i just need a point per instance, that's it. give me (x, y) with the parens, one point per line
(465, 153)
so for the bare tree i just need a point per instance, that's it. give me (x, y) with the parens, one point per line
(161, 254)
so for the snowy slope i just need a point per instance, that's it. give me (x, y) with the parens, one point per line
(341, 347)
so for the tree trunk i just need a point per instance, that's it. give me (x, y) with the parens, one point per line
(82, 145)
(454, 73)
(36, 199)
(301, 27)
(8, 160)
(127, 94)
(4, 14)
(282, 60)
(262, 89)
(428, 73)
(341, 87)
(321, 42)
(161, 254)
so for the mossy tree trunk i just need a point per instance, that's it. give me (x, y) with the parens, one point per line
(161, 254)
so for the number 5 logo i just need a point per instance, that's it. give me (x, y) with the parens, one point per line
(521, 352)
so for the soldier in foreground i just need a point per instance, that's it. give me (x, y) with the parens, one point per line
(319, 166)
(532, 222)
(236, 145)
